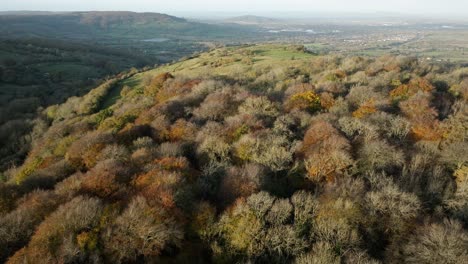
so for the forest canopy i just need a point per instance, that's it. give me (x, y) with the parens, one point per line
(262, 154)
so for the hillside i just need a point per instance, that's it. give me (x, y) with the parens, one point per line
(41, 72)
(46, 57)
(262, 154)
(102, 25)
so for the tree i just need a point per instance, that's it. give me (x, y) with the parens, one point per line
(267, 149)
(259, 106)
(326, 152)
(53, 240)
(423, 117)
(106, 179)
(17, 227)
(156, 83)
(405, 91)
(307, 100)
(216, 105)
(379, 155)
(141, 230)
(84, 152)
(321, 253)
(445, 242)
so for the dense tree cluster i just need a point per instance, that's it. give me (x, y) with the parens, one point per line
(317, 160)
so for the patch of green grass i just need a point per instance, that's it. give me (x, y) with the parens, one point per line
(282, 54)
(111, 97)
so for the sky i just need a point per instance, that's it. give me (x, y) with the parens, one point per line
(424, 7)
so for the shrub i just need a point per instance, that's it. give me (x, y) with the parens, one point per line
(305, 208)
(159, 186)
(286, 125)
(455, 155)
(460, 90)
(174, 88)
(399, 127)
(63, 145)
(455, 125)
(69, 187)
(245, 229)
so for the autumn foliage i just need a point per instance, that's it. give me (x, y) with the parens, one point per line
(234, 159)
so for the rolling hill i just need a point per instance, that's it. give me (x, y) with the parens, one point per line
(101, 25)
(253, 20)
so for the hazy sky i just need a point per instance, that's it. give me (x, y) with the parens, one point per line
(459, 7)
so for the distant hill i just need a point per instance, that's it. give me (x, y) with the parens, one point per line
(77, 24)
(105, 19)
(102, 25)
(252, 20)
(27, 13)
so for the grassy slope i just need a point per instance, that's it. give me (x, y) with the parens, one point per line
(263, 56)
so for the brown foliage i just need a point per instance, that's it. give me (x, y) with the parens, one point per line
(326, 152)
(107, 179)
(53, 240)
(405, 91)
(175, 88)
(181, 130)
(158, 187)
(157, 83)
(365, 109)
(84, 152)
(423, 117)
(141, 230)
(326, 100)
